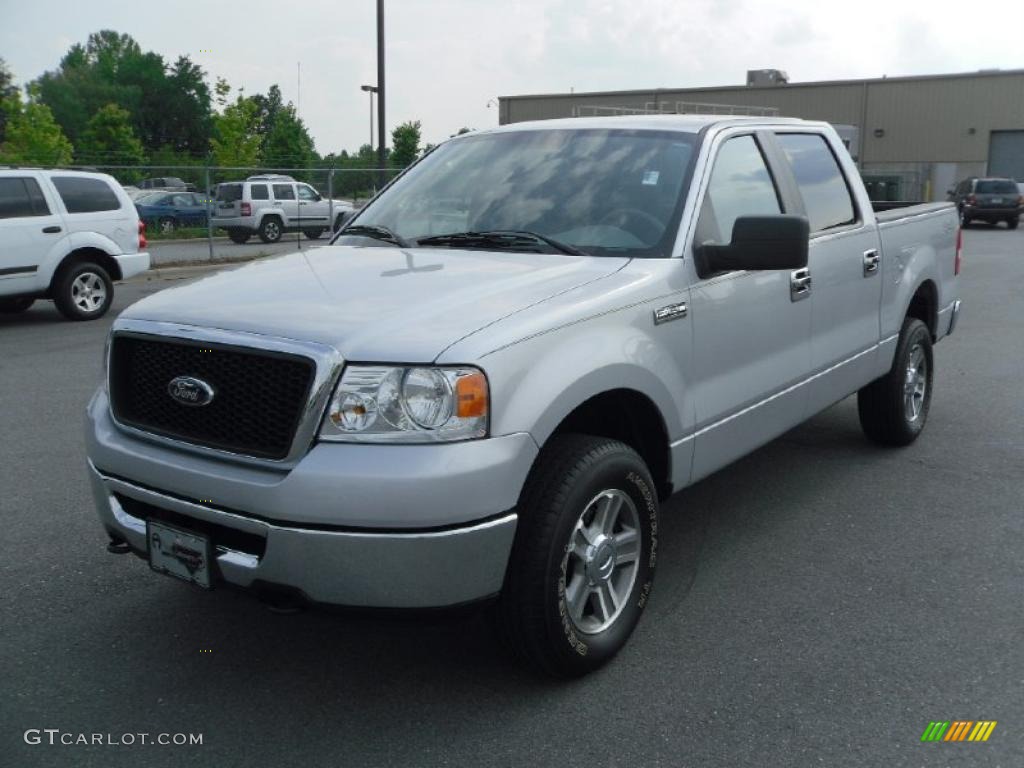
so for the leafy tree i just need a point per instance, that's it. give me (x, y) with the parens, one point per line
(167, 104)
(8, 90)
(235, 141)
(288, 143)
(109, 139)
(32, 136)
(222, 89)
(405, 142)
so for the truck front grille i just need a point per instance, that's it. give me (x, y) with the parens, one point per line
(258, 400)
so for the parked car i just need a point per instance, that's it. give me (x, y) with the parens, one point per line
(269, 205)
(431, 413)
(988, 199)
(167, 211)
(162, 182)
(66, 236)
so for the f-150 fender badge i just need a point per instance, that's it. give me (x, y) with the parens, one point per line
(671, 312)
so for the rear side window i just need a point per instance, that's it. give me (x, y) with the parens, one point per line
(83, 195)
(229, 193)
(21, 197)
(995, 187)
(740, 185)
(822, 186)
(284, 192)
(259, 192)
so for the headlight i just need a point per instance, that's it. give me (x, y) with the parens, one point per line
(388, 404)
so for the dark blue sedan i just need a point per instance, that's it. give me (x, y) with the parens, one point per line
(166, 211)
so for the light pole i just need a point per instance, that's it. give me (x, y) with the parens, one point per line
(381, 137)
(370, 89)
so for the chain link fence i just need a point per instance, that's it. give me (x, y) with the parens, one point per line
(178, 225)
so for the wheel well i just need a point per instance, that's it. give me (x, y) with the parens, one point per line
(80, 255)
(629, 416)
(925, 306)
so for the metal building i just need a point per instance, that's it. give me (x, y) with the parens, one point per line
(913, 137)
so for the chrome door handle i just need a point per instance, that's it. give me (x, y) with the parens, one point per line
(799, 284)
(871, 260)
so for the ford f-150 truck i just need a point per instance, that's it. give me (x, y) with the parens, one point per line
(484, 388)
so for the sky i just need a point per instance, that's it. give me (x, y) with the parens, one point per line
(447, 60)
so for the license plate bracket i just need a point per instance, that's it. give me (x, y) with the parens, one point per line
(182, 554)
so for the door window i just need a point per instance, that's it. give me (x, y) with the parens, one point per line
(21, 197)
(284, 192)
(259, 192)
(308, 193)
(822, 186)
(740, 185)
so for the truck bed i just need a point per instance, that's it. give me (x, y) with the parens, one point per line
(888, 211)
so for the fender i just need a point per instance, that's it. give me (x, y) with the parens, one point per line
(538, 382)
(67, 245)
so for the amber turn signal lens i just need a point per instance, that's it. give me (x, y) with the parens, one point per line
(471, 396)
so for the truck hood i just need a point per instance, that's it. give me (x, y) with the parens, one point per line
(375, 304)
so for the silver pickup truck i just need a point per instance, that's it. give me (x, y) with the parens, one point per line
(487, 384)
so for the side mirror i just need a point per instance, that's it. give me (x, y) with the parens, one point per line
(759, 243)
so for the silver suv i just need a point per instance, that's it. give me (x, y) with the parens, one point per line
(271, 204)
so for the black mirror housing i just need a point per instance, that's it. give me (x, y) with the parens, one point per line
(759, 243)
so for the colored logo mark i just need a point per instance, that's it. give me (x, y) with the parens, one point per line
(958, 730)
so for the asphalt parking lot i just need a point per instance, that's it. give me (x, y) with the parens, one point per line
(817, 603)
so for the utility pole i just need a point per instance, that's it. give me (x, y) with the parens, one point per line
(381, 132)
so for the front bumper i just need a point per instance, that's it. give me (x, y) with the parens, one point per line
(413, 526)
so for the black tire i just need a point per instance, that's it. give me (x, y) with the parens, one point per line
(16, 306)
(339, 222)
(570, 479)
(271, 229)
(240, 236)
(83, 291)
(1012, 223)
(885, 415)
(313, 234)
(166, 225)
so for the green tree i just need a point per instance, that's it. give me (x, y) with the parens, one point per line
(235, 141)
(167, 104)
(32, 136)
(108, 139)
(405, 142)
(8, 90)
(288, 143)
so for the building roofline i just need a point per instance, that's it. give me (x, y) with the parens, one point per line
(781, 87)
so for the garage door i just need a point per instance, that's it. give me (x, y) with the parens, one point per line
(1006, 154)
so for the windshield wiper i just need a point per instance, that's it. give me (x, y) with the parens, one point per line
(500, 238)
(376, 232)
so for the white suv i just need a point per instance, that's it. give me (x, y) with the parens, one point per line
(269, 205)
(66, 236)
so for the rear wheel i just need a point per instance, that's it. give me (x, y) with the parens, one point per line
(313, 234)
(239, 236)
(83, 291)
(16, 305)
(166, 226)
(270, 229)
(894, 408)
(582, 565)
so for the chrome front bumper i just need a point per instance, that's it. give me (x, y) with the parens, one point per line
(433, 568)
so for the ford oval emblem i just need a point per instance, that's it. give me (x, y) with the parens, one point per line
(188, 390)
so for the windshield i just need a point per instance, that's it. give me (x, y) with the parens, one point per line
(598, 191)
(996, 187)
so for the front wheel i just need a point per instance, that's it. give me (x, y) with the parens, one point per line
(582, 565)
(894, 408)
(167, 226)
(1012, 223)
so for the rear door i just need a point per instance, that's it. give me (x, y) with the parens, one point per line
(285, 199)
(845, 268)
(29, 228)
(751, 330)
(91, 205)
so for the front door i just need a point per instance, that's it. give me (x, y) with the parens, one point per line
(284, 198)
(751, 330)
